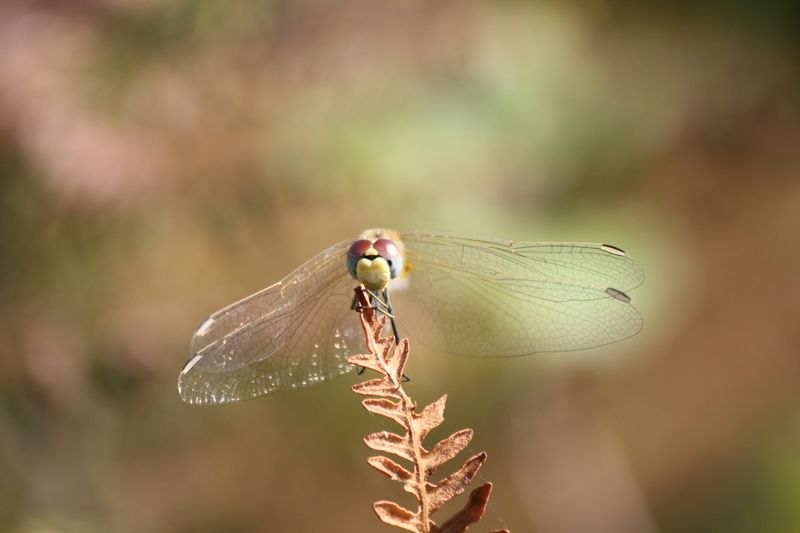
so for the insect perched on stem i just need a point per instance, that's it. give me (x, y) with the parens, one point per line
(459, 294)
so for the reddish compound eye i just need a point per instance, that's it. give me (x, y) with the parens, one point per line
(357, 251)
(359, 248)
(389, 251)
(386, 248)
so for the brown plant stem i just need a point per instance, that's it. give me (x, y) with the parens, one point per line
(408, 411)
(389, 399)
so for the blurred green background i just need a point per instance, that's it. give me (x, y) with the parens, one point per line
(160, 159)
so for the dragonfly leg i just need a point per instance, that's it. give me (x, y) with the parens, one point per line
(359, 300)
(381, 305)
(391, 316)
(358, 305)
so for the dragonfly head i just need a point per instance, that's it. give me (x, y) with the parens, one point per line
(374, 263)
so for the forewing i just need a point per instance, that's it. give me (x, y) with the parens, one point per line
(293, 334)
(487, 297)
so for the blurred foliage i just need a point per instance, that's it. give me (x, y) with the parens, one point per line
(162, 158)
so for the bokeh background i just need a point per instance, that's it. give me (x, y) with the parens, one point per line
(160, 159)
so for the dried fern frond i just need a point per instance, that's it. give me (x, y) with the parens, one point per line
(389, 399)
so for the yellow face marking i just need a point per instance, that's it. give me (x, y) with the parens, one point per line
(374, 274)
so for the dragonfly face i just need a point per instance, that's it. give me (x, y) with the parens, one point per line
(374, 263)
(457, 294)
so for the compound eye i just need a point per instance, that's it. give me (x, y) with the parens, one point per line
(356, 252)
(389, 251)
(386, 248)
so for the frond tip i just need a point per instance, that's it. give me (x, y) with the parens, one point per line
(388, 399)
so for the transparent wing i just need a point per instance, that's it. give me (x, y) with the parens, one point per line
(487, 297)
(293, 334)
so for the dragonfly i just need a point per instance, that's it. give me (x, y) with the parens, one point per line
(457, 294)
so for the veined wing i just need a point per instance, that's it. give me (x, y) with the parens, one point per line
(488, 297)
(293, 334)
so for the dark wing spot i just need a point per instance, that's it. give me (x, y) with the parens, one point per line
(612, 249)
(618, 294)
